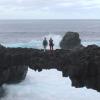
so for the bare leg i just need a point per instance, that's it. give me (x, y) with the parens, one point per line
(44, 49)
(50, 48)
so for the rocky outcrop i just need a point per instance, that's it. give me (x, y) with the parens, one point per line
(11, 69)
(14, 62)
(71, 40)
(81, 66)
(85, 70)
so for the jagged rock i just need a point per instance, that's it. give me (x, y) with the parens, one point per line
(85, 70)
(17, 74)
(82, 66)
(10, 72)
(71, 40)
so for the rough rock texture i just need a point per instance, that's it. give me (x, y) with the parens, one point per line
(11, 69)
(81, 66)
(85, 70)
(71, 40)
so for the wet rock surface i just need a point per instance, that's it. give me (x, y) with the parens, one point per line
(82, 66)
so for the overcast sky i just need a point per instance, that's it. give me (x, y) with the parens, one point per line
(49, 9)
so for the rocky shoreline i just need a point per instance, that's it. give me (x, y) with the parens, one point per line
(80, 64)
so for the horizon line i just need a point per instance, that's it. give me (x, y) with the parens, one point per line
(55, 19)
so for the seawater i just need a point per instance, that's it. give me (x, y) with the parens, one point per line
(48, 84)
(26, 33)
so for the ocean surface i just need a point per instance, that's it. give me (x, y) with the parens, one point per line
(48, 84)
(26, 33)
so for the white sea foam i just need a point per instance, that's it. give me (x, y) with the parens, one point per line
(47, 85)
(36, 43)
(85, 43)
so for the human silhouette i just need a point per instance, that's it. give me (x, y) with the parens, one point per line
(45, 44)
(51, 44)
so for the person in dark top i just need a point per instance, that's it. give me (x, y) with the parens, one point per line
(45, 44)
(51, 44)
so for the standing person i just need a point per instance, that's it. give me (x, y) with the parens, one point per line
(51, 44)
(45, 44)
